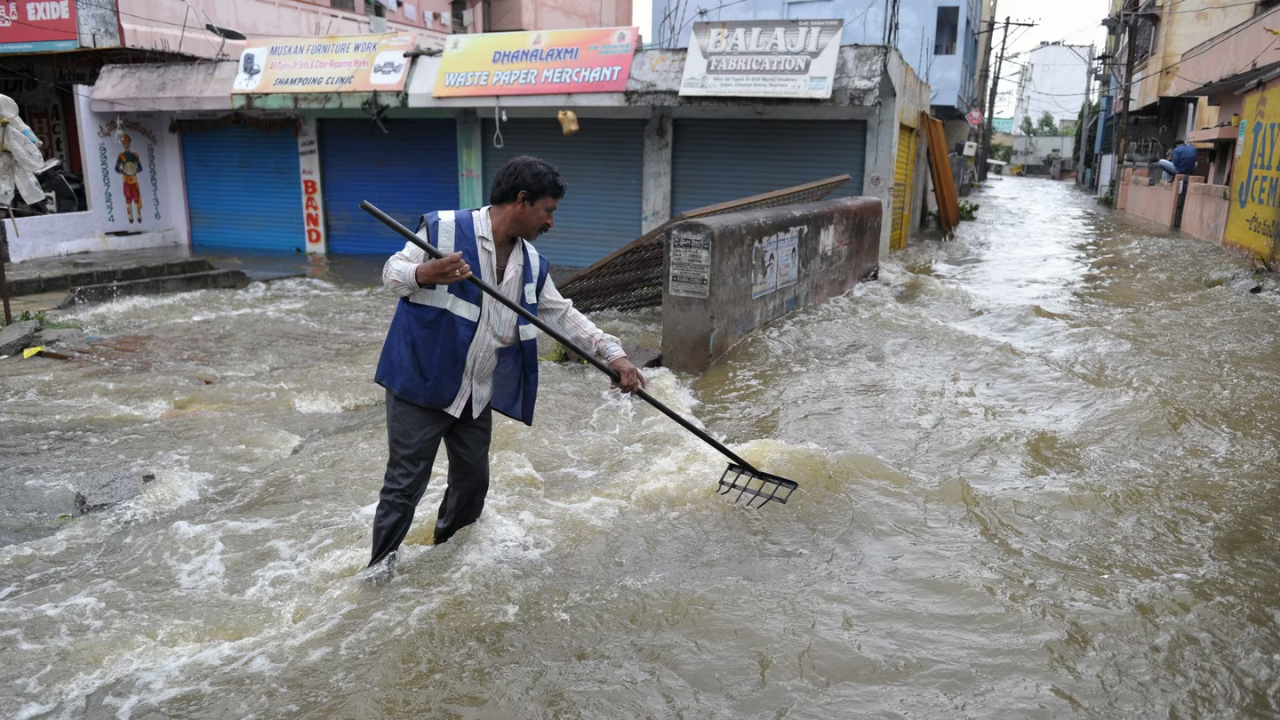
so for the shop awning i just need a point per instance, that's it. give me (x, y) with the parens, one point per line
(164, 87)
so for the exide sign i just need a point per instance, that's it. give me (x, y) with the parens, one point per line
(44, 26)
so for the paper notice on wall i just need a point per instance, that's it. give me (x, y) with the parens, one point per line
(690, 271)
(788, 259)
(764, 266)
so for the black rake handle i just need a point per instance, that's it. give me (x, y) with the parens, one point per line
(533, 319)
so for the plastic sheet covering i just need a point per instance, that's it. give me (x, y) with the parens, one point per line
(20, 157)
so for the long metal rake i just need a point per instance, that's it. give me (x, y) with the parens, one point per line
(748, 481)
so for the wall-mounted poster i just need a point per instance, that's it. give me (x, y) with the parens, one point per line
(130, 163)
(788, 259)
(764, 266)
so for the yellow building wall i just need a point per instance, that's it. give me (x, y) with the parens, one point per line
(1253, 223)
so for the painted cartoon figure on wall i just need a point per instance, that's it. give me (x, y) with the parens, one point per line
(128, 164)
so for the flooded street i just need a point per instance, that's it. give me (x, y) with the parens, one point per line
(1038, 472)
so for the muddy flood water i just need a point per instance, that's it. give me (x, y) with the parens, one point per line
(1038, 471)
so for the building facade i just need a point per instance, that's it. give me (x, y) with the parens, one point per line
(1054, 79)
(938, 39)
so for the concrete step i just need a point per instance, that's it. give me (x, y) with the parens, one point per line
(65, 281)
(185, 282)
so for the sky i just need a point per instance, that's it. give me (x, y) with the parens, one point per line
(1075, 22)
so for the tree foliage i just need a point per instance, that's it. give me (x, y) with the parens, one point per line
(1047, 125)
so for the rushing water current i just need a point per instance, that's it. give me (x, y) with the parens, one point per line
(1038, 471)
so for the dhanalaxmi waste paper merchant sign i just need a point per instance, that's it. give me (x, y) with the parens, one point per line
(546, 62)
(333, 64)
(763, 58)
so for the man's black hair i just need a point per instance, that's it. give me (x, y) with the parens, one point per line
(535, 177)
(1178, 142)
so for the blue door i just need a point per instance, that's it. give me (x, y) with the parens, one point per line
(601, 165)
(407, 172)
(715, 161)
(244, 189)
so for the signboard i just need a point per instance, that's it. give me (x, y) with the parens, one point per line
(128, 159)
(690, 273)
(333, 64)
(764, 58)
(27, 27)
(1253, 221)
(312, 197)
(974, 117)
(547, 62)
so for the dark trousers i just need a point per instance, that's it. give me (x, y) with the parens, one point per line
(413, 437)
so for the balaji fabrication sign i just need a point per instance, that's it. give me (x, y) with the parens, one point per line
(765, 58)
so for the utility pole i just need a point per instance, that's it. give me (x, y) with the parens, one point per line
(1122, 133)
(985, 76)
(1088, 108)
(995, 86)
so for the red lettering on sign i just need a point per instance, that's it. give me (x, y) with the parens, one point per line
(310, 187)
(311, 204)
(314, 236)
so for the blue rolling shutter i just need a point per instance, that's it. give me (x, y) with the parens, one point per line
(601, 164)
(407, 172)
(714, 161)
(244, 189)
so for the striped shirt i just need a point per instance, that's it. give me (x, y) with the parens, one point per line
(497, 325)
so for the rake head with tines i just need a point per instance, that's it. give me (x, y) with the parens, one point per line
(756, 485)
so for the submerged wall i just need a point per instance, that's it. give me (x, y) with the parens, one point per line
(725, 276)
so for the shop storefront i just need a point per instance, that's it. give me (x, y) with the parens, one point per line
(602, 166)
(244, 186)
(409, 170)
(714, 161)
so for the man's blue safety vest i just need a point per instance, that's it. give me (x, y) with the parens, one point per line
(426, 349)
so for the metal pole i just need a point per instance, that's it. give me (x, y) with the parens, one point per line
(1084, 127)
(984, 148)
(4, 284)
(991, 100)
(1122, 133)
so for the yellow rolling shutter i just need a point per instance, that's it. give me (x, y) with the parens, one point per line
(902, 185)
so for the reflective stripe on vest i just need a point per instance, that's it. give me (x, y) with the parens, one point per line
(439, 296)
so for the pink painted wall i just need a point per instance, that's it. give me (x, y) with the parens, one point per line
(158, 24)
(1233, 51)
(1204, 214)
(559, 14)
(1157, 203)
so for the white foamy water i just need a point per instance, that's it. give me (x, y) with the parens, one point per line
(1035, 466)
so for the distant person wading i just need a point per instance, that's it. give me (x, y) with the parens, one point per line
(451, 358)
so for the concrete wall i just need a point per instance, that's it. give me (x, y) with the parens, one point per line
(172, 27)
(1033, 150)
(508, 15)
(102, 228)
(1053, 81)
(1157, 203)
(1183, 26)
(835, 244)
(1220, 57)
(1204, 213)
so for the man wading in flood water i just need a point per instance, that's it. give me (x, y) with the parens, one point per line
(452, 357)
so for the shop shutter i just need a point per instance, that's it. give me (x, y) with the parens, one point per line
(719, 160)
(407, 172)
(601, 164)
(903, 175)
(244, 189)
